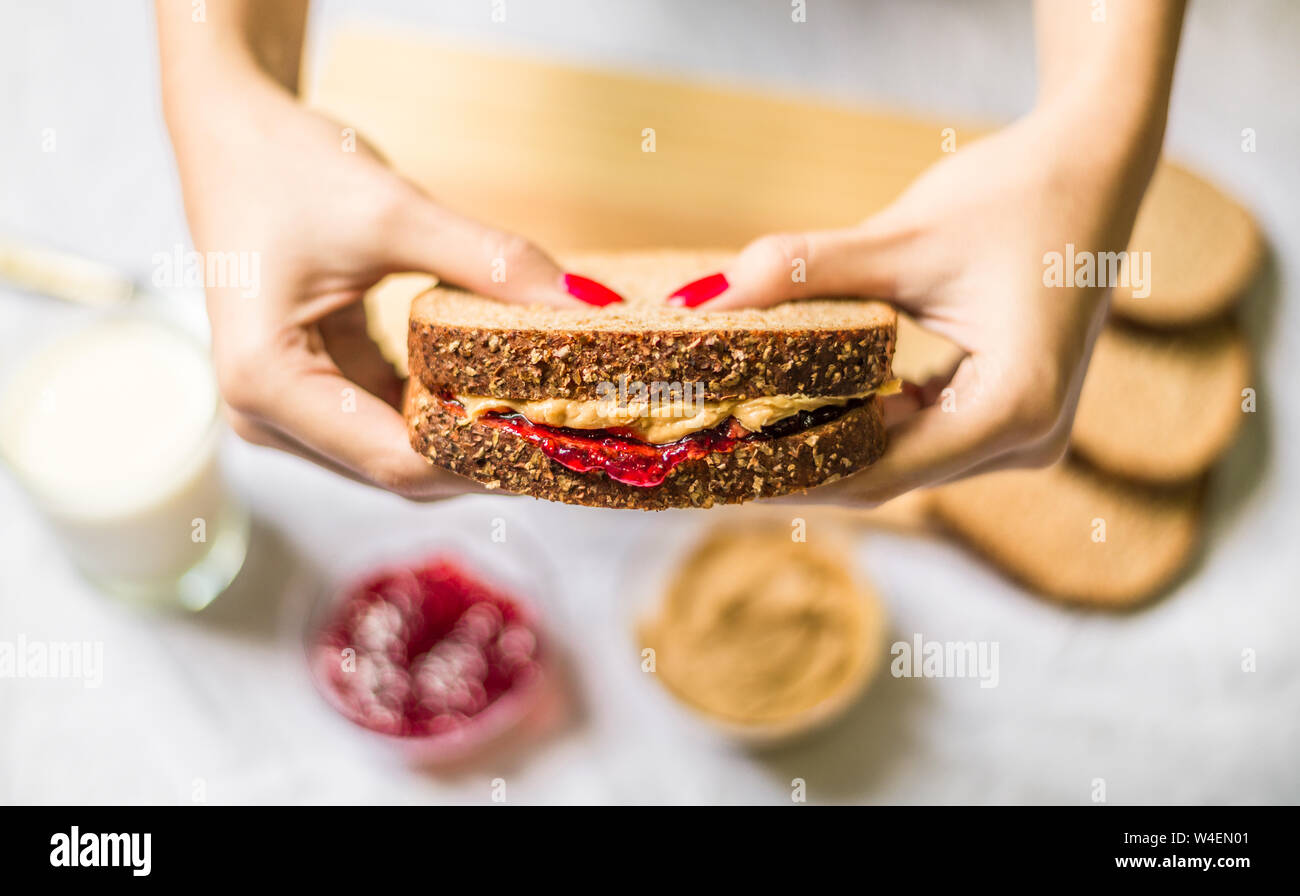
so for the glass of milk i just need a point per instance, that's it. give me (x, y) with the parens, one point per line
(113, 430)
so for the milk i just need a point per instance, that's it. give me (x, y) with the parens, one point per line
(114, 430)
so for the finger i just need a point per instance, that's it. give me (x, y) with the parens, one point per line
(969, 424)
(345, 339)
(254, 432)
(474, 256)
(1051, 446)
(897, 408)
(913, 397)
(1030, 458)
(856, 261)
(310, 402)
(1035, 453)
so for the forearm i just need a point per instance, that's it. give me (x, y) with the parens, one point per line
(238, 45)
(227, 78)
(1104, 85)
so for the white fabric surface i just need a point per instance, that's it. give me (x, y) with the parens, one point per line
(1155, 703)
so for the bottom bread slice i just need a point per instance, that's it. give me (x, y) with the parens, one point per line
(758, 468)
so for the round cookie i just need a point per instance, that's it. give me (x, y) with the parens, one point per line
(1161, 407)
(1044, 527)
(1205, 250)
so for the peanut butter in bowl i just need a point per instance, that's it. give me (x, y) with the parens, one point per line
(765, 636)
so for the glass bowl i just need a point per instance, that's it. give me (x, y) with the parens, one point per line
(515, 569)
(647, 572)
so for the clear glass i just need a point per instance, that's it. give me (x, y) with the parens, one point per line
(173, 538)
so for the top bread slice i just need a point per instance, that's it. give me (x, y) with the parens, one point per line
(478, 346)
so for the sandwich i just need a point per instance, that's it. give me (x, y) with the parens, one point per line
(640, 404)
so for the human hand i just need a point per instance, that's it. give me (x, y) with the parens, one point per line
(327, 219)
(962, 250)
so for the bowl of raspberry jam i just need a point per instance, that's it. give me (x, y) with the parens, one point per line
(429, 654)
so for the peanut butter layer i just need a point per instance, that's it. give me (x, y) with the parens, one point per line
(659, 422)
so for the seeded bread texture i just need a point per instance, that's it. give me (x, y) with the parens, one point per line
(1162, 407)
(478, 346)
(1043, 527)
(761, 468)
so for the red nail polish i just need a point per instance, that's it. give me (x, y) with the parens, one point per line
(590, 291)
(697, 292)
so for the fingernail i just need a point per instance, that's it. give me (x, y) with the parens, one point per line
(590, 291)
(697, 292)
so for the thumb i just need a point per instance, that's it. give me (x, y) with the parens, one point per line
(968, 426)
(854, 261)
(474, 256)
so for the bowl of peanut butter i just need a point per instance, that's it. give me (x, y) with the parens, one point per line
(765, 634)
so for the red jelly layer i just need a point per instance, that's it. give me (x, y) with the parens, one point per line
(631, 461)
(431, 646)
(618, 456)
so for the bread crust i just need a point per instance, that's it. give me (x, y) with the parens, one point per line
(761, 468)
(538, 364)
(477, 346)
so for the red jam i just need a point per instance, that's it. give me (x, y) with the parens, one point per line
(625, 459)
(431, 647)
(614, 453)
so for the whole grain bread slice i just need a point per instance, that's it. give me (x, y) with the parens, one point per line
(1162, 406)
(475, 345)
(1205, 249)
(760, 468)
(1076, 534)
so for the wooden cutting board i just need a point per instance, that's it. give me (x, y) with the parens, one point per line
(578, 158)
(560, 153)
